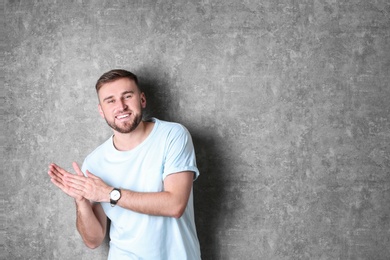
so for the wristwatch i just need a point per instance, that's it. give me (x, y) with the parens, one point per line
(115, 195)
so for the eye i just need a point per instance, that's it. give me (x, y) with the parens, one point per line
(128, 96)
(110, 101)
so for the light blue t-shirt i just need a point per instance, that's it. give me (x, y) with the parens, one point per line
(168, 149)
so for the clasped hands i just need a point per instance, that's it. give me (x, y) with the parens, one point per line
(79, 186)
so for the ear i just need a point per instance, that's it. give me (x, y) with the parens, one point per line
(101, 111)
(143, 100)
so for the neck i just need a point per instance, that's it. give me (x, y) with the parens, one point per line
(128, 141)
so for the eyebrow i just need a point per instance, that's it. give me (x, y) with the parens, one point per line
(123, 93)
(128, 92)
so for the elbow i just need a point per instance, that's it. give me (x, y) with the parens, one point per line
(93, 240)
(178, 211)
(177, 215)
(92, 244)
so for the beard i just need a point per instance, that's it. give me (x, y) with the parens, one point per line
(126, 127)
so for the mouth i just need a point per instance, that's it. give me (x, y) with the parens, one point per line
(124, 116)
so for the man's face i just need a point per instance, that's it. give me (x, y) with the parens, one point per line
(121, 104)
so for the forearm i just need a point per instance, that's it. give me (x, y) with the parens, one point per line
(91, 221)
(171, 202)
(154, 203)
(88, 224)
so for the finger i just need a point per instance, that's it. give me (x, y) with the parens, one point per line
(53, 171)
(58, 176)
(57, 183)
(75, 183)
(90, 175)
(63, 187)
(58, 170)
(75, 178)
(55, 176)
(79, 183)
(77, 169)
(74, 193)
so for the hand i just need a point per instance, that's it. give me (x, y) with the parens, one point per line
(58, 176)
(91, 187)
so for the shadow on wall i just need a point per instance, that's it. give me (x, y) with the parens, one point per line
(209, 194)
(209, 187)
(155, 85)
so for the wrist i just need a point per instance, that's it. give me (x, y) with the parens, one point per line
(115, 195)
(107, 194)
(80, 200)
(82, 203)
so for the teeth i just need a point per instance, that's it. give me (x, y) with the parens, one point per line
(122, 116)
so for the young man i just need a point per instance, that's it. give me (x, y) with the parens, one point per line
(140, 178)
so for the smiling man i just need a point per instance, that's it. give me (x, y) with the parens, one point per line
(140, 178)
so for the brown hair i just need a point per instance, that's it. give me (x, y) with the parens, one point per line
(113, 75)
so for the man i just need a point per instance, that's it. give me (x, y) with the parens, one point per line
(140, 178)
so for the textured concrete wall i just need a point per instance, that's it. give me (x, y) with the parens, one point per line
(288, 103)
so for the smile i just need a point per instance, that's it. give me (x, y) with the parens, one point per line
(122, 116)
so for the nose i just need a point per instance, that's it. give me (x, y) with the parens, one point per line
(122, 105)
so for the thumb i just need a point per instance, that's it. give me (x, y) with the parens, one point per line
(77, 169)
(90, 175)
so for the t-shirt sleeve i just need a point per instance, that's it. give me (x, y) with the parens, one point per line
(180, 153)
(84, 167)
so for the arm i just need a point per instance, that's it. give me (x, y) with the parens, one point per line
(91, 220)
(171, 202)
(91, 223)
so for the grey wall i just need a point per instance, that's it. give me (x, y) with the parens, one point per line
(287, 102)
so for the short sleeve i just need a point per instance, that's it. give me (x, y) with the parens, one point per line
(84, 167)
(180, 153)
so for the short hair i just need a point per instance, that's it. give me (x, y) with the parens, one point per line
(116, 74)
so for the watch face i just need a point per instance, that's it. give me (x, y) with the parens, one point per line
(115, 195)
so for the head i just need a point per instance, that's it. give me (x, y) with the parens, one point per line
(121, 102)
(113, 75)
